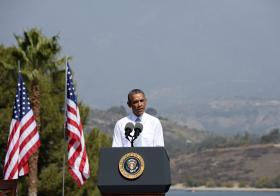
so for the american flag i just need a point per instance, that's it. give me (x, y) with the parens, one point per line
(78, 165)
(23, 137)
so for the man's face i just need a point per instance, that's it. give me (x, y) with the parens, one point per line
(138, 103)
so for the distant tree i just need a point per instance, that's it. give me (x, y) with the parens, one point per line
(276, 181)
(263, 182)
(213, 141)
(210, 183)
(272, 137)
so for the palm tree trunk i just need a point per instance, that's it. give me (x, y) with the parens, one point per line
(33, 161)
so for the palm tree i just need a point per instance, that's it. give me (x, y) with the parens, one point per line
(39, 62)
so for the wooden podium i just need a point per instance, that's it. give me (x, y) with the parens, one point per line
(134, 171)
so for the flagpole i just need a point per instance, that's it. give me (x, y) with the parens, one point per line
(19, 66)
(19, 72)
(65, 140)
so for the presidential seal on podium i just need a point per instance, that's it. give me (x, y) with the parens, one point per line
(131, 165)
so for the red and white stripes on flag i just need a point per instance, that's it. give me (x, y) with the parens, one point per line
(78, 165)
(23, 137)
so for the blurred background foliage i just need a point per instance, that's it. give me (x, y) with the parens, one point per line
(40, 62)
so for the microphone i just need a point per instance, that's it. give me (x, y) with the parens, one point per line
(137, 129)
(128, 129)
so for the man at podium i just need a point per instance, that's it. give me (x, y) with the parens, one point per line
(138, 129)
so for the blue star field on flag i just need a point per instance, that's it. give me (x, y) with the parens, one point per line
(22, 103)
(70, 86)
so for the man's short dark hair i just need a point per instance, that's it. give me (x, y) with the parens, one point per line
(132, 92)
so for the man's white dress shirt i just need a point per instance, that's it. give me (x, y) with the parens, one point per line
(150, 136)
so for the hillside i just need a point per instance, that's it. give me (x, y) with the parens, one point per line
(174, 133)
(255, 165)
(203, 158)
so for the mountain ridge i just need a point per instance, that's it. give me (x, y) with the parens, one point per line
(230, 115)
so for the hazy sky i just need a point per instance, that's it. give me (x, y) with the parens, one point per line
(179, 52)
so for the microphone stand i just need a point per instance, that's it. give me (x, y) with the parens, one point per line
(131, 141)
(133, 138)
